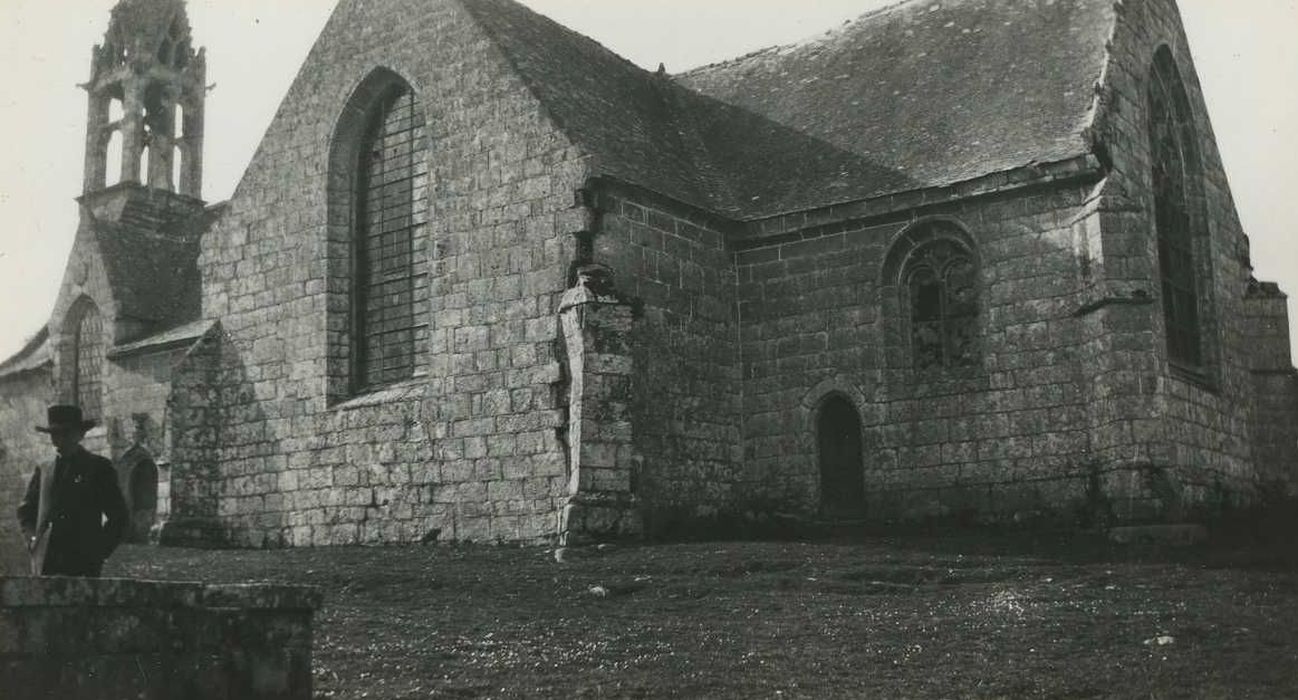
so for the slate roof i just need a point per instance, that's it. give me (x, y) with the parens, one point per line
(645, 129)
(172, 337)
(925, 93)
(153, 277)
(614, 110)
(768, 168)
(34, 354)
(152, 263)
(941, 90)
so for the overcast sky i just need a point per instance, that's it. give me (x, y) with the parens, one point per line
(1243, 49)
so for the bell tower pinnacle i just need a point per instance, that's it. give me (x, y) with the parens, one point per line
(146, 85)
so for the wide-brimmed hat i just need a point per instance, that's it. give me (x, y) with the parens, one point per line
(63, 418)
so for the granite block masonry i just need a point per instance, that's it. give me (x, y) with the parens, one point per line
(602, 460)
(69, 638)
(484, 280)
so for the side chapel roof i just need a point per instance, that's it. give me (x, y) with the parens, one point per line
(34, 354)
(941, 90)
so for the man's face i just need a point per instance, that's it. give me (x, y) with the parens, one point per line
(65, 441)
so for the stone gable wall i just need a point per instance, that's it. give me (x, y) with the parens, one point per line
(469, 449)
(674, 263)
(1188, 437)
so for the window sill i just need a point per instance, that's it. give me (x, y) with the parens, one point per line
(401, 391)
(1191, 374)
(933, 382)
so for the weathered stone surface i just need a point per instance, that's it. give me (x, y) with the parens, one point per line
(96, 638)
(605, 357)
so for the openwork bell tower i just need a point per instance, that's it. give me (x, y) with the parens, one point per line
(146, 93)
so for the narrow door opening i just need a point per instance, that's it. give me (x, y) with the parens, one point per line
(842, 473)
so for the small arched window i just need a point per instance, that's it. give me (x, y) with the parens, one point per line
(931, 284)
(388, 323)
(1174, 163)
(87, 359)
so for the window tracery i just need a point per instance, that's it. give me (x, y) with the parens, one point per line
(1172, 163)
(941, 283)
(391, 284)
(88, 361)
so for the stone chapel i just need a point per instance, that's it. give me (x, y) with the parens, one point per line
(485, 280)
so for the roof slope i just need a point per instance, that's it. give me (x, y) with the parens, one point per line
(645, 129)
(34, 354)
(941, 90)
(150, 254)
(153, 277)
(614, 110)
(769, 168)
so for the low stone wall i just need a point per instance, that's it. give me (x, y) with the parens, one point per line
(72, 638)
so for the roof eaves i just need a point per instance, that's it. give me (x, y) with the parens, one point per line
(619, 186)
(34, 355)
(1081, 168)
(171, 339)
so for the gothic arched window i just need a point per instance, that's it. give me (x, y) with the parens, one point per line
(87, 359)
(390, 284)
(1174, 162)
(941, 288)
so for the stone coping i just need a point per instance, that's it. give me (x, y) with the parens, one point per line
(66, 591)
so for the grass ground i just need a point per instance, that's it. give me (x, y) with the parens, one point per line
(857, 617)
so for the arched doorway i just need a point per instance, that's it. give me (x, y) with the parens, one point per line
(842, 473)
(143, 495)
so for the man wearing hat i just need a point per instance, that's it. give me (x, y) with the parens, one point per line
(73, 515)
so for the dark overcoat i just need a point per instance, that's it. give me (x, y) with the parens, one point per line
(87, 514)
